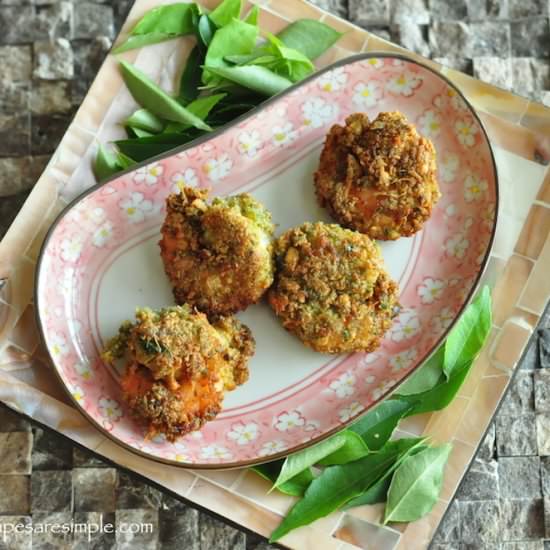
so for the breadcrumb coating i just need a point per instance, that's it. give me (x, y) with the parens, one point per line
(217, 256)
(331, 289)
(378, 177)
(178, 366)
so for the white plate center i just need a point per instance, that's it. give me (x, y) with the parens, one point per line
(282, 365)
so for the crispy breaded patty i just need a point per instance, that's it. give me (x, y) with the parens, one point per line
(172, 412)
(331, 288)
(217, 256)
(178, 366)
(173, 343)
(378, 177)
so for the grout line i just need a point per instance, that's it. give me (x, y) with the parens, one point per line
(527, 104)
(237, 482)
(524, 257)
(522, 293)
(488, 376)
(538, 314)
(498, 256)
(192, 486)
(235, 493)
(502, 367)
(464, 443)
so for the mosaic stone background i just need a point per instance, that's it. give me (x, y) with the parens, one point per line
(50, 51)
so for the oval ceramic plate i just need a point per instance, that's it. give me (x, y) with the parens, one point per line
(101, 260)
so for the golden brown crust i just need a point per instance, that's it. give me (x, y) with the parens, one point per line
(378, 177)
(173, 343)
(218, 256)
(239, 350)
(171, 412)
(331, 289)
(178, 366)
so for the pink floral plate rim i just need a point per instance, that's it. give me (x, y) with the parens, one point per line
(202, 140)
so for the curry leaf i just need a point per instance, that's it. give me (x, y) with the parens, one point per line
(439, 396)
(252, 17)
(137, 132)
(277, 57)
(379, 490)
(156, 100)
(200, 107)
(176, 19)
(374, 494)
(226, 12)
(416, 485)
(469, 334)
(124, 161)
(353, 449)
(254, 77)
(295, 486)
(236, 38)
(292, 63)
(302, 460)
(376, 426)
(203, 105)
(145, 120)
(140, 40)
(337, 485)
(161, 24)
(255, 57)
(427, 376)
(312, 38)
(141, 149)
(226, 113)
(205, 30)
(106, 164)
(191, 76)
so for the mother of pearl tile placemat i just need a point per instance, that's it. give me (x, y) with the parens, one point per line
(519, 131)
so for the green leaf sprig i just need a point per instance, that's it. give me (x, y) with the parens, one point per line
(362, 465)
(161, 24)
(416, 484)
(228, 58)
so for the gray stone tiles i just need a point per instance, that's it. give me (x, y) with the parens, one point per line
(51, 491)
(94, 489)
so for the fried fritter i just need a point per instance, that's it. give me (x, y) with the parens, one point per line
(173, 343)
(172, 412)
(378, 177)
(218, 257)
(331, 289)
(178, 366)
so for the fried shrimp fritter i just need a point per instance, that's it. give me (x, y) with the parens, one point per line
(178, 366)
(378, 177)
(172, 412)
(217, 256)
(174, 343)
(331, 289)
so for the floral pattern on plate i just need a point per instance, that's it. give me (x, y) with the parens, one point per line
(441, 273)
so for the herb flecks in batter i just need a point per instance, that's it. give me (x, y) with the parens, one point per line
(378, 177)
(217, 256)
(331, 288)
(178, 366)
